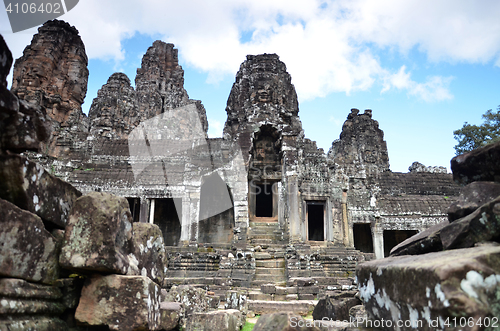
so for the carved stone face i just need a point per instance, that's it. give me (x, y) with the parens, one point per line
(262, 92)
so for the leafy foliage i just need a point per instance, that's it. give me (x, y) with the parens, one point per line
(470, 137)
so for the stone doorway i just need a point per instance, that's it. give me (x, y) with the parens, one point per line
(315, 215)
(263, 201)
(363, 240)
(395, 237)
(167, 218)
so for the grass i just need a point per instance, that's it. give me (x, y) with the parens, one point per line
(248, 326)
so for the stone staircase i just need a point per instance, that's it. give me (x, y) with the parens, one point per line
(269, 268)
(264, 234)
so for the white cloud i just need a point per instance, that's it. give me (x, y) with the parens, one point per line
(436, 88)
(328, 46)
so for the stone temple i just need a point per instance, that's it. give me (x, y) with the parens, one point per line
(261, 204)
(284, 193)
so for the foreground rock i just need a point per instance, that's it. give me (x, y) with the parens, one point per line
(121, 302)
(170, 315)
(99, 234)
(334, 309)
(27, 250)
(433, 288)
(472, 197)
(478, 165)
(148, 252)
(29, 186)
(283, 321)
(482, 225)
(193, 299)
(223, 320)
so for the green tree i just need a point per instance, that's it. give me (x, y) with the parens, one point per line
(470, 137)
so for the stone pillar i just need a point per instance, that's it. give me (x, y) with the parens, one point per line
(345, 221)
(328, 221)
(152, 211)
(378, 239)
(144, 211)
(185, 221)
(293, 210)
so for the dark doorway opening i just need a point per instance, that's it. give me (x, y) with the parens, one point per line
(316, 220)
(363, 240)
(135, 208)
(264, 200)
(168, 219)
(394, 237)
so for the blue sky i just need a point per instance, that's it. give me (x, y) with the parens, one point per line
(423, 67)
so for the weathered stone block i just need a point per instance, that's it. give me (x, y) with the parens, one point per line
(170, 315)
(6, 63)
(313, 289)
(358, 314)
(148, 257)
(478, 165)
(432, 287)
(268, 288)
(27, 185)
(19, 288)
(192, 299)
(303, 281)
(121, 302)
(480, 226)
(472, 197)
(334, 309)
(426, 241)
(28, 251)
(283, 321)
(237, 300)
(306, 296)
(99, 234)
(23, 127)
(224, 320)
(38, 323)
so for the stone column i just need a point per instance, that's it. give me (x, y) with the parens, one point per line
(144, 210)
(185, 221)
(328, 221)
(378, 239)
(345, 221)
(293, 209)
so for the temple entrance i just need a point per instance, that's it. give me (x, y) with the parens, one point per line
(363, 240)
(315, 215)
(395, 237)
(264, 200)
(167, 219)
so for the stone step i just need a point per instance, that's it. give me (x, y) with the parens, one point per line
(269, 271)
(258, 295)
(275, 263)
(258, 283)
(273, 279)
(301, 307)
(264, 224)
(259, 242)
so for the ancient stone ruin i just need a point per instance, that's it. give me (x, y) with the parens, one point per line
(131, 218)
